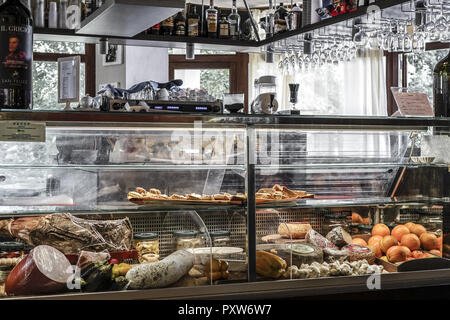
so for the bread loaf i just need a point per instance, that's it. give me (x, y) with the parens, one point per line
(296, 230)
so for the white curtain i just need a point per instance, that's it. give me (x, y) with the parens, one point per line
(357, 87)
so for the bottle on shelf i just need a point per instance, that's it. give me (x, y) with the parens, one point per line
(83, 10)
(179, 24)
(294, 18)
(235, 22)
(193, 22)
(16, 53)
(62, 14)
(155, 29)
(39, 14)
(211, 20)
(280, 19)
(224, 27)
(52, 15)
(167, 27)
(270, 20)
(441, 88)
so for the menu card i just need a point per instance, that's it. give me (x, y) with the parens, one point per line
(413, 104)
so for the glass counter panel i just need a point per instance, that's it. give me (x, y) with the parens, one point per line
(102, 189)
(126, 146)
(315, 148)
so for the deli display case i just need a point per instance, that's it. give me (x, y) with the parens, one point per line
(160, 206)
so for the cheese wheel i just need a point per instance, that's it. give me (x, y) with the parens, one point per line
(357, 252)
(339, 237)
(317, 239)
(302, 253)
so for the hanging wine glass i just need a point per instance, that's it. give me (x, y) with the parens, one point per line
(360, 38)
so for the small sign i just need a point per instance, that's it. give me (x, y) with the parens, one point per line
(413, 104)
(22, 131)
(69, 79)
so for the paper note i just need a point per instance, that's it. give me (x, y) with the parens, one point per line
(413, 104)
(22, 131)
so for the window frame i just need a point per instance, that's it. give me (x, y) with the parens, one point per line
(88, 58)
(237, 64)
(396, 62)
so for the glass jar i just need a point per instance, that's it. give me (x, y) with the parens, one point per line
(334, 220)
(145, 244)
(186, 239)
(220, 238)
(432, 221)
(11, 249)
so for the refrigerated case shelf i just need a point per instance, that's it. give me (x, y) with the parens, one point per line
(129, 208)
(364, 202)
(278, 289)
(271, 121)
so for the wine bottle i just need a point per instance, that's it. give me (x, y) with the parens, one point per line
(167, 27)
(280, 18)
(179, 24)
(193, 23)
(211, 20)
(441, 88)
(224, 28)
(235, 22)
(16, 56)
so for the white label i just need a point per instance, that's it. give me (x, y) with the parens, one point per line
(22, 131)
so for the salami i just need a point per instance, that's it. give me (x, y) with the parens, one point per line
(163, 273)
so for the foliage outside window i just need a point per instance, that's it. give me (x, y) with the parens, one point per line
(420, 70)
(45, 74)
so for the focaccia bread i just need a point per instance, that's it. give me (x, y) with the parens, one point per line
(297, 230)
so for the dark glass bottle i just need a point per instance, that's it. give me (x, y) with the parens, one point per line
(280, 18)
(167, 27)
(441, 89)
(211, 20)
(156, 29)
(193, 23)
(16, 56)
(224, 28)
(179, 24)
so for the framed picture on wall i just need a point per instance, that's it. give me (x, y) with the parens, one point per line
(114, 55)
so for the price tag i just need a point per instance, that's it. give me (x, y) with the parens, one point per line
(413, 104)
(22, 131)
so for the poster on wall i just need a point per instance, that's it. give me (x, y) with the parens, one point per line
(69, 79)
(113, 56)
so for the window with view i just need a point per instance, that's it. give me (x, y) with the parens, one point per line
(45, 72)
